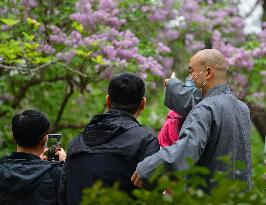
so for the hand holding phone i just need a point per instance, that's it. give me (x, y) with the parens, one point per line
(61, 155)
(53, 145)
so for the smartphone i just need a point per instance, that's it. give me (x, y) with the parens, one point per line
(53, 145)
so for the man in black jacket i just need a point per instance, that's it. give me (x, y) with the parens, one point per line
(113, 143)
(25, 178)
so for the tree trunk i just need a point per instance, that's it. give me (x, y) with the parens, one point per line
(258, 116)
(264, 10)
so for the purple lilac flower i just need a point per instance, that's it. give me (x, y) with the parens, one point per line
(15, 11)
(217, 16)
(193, 45)
(167, 62)
(106, 13)
(258, 95)
(107, 5)
(30, 3)
(210, 2)
(125, 54)
(76, 38)
(241, 79)
(237, 22)
(110, 52)
(143, 75)
(159, 15)
(67, 57)
(169, 34)
(107, 73)
(257, 53)
(190, 6)
(48, 49)
(162, 48)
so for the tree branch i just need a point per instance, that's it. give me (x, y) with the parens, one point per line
(2, 113)
(70, 126)
(25, 69)
(73, 71)
(23, 90)
(64, 103)
(252, 9)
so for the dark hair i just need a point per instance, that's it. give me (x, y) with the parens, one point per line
(126, 91)
(29, 128)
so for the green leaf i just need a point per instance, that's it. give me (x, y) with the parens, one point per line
(98, 60)
(27, 36)
(9, 22)
(82, 53)
(33, 22)
(78, 26)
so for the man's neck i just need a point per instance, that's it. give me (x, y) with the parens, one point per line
(33, 151)
(211, 85)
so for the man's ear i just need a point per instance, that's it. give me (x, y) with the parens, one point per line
(108, 102)
(210, 72)
(143, 103)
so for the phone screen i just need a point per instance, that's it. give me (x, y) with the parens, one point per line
(53, 144)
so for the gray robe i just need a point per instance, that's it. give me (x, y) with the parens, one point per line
(215, 126)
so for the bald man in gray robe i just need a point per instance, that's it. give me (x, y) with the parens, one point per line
(216, 125)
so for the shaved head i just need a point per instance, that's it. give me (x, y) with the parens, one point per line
(213, 58)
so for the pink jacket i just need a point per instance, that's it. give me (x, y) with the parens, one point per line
(170, 130)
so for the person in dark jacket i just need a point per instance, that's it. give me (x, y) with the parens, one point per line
(26, 179)
(113, 143)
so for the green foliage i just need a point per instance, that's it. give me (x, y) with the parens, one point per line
(257, 155)
(154, 113)
(184, 190)
(100, 195)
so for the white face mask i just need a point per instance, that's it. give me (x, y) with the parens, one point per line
(193, 79)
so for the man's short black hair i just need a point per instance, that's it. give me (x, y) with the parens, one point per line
(29, 128)
(126, 90)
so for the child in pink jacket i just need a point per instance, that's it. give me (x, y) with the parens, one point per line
(170, 133)
(170, 130)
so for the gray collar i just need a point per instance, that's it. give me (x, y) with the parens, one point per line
(218, 90)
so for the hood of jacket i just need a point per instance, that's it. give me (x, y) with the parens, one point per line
(104, 127)
(21, 174)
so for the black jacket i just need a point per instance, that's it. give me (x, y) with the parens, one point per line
(25, 179)
(108, 150)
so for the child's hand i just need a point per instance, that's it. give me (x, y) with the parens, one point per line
(173, 75)
(166, 80)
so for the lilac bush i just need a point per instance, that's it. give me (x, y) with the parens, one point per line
(150, 37)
